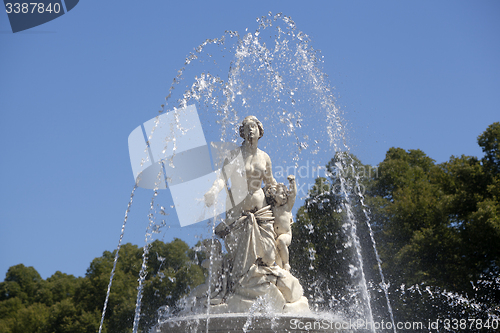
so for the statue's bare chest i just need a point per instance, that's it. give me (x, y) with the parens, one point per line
(255, 165)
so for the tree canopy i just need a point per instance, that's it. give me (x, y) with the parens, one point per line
(65, 304)
(436, 226)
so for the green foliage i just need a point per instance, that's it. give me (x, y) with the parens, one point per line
(172, 272)
(415, 241)
(438, 226)
(322, 253)
(21, 282)
(435, 225)
(65, 304)
(490, 143)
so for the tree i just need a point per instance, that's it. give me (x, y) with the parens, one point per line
(415, 242)
(172, 272)
(437, 227)
(65, 304)
(21, 282)
(323, 252)
(489, 141)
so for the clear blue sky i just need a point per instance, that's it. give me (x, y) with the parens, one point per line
(409, 74)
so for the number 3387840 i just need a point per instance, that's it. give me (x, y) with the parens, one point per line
(32, 7)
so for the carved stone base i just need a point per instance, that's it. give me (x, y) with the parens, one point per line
(238, 322)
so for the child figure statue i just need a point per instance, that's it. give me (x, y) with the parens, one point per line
(282, 200)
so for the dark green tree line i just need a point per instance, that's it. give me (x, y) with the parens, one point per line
(65, 304)
(435, 225)
(437, 228)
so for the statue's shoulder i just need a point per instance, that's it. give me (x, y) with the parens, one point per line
(264, 155)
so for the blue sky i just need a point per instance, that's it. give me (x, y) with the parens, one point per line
(420, 74)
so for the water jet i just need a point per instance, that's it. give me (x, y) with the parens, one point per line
(202, 147)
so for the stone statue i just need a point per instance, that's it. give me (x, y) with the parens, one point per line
(256, 234)
(282, 201)
(257, 169)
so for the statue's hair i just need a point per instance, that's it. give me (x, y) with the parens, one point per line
(257, 121)
(271, 192)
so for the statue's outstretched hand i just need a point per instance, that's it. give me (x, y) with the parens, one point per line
(209, 198)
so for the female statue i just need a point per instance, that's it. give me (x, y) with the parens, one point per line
(248, 230)
(257, 168)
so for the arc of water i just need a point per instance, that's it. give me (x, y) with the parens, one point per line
(331, 113)
(116, 257)
(145, 254)
(335, 128)
(355, 239)
(366, 212)
(210, 272)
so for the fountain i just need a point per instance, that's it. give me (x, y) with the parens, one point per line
(273, 74)
(193, 148)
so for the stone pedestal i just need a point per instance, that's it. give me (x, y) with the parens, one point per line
(239, 322)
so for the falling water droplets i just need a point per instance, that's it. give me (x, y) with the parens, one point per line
(279, 81)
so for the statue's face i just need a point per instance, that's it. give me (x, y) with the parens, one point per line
(251, 130)
(280, 196)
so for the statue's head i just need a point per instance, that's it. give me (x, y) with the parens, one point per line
(247, 122)
(277, 195)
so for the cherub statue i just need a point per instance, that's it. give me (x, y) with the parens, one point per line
(282, 200)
